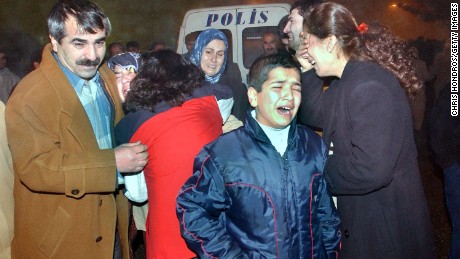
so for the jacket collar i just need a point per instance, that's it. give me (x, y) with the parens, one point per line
(51, 70)
(59, 81)
(69, 102)
(254, 129)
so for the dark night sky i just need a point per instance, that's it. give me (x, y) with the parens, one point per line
(148, 21)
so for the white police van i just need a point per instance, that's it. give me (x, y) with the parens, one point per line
(242, 24)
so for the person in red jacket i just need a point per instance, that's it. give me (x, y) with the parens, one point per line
(175, 113)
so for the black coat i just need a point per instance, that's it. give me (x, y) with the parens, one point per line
(444, 130)
(373, 170)
(232, 78)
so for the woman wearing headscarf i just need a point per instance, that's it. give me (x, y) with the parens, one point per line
(175, 115)
(366, 120)
(126, 66)
(210, 54)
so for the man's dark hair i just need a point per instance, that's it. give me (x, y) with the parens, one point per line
(258, 73)
(191, 36)
(303, 5)
(88, 15)
(132, 44)
(36, 56)
(155, 44)
(280, 28)
(117, 43)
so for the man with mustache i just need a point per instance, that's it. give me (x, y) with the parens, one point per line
(292, 29)
(269, 41)
(60, 123)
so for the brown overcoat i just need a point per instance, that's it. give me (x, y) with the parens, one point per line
(64, 187)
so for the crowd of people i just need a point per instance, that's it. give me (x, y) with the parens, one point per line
(96, 148)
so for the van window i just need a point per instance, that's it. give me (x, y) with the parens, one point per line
(252, 43)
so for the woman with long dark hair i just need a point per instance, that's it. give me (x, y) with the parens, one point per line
(366, 120)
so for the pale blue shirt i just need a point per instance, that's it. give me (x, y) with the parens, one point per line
(100, 115)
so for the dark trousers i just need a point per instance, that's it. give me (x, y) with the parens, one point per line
(452, 193)
(117, 254)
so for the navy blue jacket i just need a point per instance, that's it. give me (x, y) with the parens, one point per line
(245, 200)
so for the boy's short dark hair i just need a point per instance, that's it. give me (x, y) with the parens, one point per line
(258, 73)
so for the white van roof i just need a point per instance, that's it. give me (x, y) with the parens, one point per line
(286, 5)
(207, 20)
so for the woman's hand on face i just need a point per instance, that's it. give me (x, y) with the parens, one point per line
(302, 53)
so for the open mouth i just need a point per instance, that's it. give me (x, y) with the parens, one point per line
(284, 110)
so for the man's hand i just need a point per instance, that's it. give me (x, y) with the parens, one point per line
(231, 124)
(131, 157)
(302, 55)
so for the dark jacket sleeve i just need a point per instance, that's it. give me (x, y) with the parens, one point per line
(329, 218)
(310, 106)
(365, 162)
(232, 78)
(200, 208)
